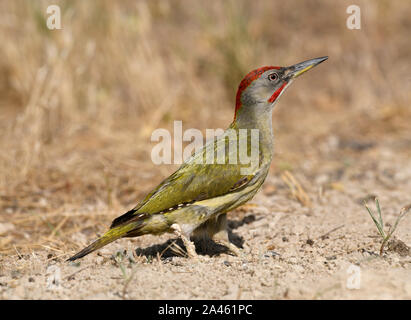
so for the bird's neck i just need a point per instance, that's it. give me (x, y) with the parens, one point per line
(258, 117)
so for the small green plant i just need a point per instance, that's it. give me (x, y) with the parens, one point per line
(380, 225)
(119, 258)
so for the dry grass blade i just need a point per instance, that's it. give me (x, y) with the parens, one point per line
(177, 249)
(296, 189)
(402, 214)
(325, 235)
(378, 222)
(58, 227)
(170, 246)
(71, 276)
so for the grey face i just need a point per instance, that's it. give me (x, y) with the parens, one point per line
(273, 82)
(257, 96)
(263, 89)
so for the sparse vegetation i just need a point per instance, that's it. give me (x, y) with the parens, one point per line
(296, 189)
(378, 221)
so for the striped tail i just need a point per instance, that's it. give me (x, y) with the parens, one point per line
(110, 236)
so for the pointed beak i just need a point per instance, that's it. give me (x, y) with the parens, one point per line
(298, 69)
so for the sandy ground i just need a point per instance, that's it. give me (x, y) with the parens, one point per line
(78, 107)
(290, 251)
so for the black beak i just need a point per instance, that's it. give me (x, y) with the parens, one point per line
(298, 69)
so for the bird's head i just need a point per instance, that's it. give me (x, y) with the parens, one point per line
(261, 88)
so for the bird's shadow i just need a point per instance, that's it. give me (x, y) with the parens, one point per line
(204, 247)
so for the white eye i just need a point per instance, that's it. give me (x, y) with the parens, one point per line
(273, 77)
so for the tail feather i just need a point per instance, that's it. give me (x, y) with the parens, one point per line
(123, 218)
(110, 236)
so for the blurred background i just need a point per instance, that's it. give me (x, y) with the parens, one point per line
(78, 105)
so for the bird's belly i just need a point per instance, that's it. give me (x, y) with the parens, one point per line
(211, 208)
(191, 217)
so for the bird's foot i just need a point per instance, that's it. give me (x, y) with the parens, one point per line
(235, 250)
(191, 250)
(232, 248)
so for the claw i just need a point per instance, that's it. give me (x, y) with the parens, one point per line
(191, 250)
(231, 247)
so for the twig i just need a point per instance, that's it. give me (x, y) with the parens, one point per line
(177, 249)
(18, 253)
(329, 232)
(58, 227)
(74, 273)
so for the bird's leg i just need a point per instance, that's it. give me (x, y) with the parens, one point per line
(191, 250)
(218, 232)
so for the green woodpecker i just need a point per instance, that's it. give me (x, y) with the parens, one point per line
(194, 200)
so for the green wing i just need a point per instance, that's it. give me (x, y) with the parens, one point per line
(192, 182)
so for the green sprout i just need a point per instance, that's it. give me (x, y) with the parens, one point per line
(380, 225)
(118, 258)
